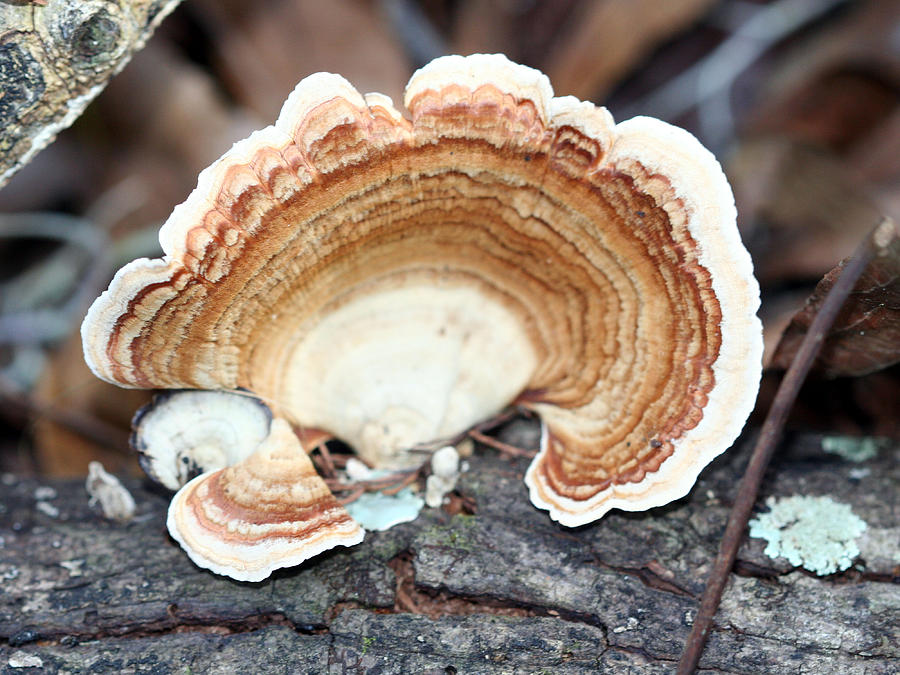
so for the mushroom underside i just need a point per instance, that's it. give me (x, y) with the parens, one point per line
(451, 304)
(393, 282)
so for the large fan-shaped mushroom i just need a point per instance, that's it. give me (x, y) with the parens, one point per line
(395, 281)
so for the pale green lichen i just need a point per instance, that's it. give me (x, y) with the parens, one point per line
(814, 532)
(851, 448)
(378, 511)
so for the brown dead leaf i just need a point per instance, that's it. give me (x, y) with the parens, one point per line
(799, 207)
(834, 86)
(606, 39)
(265, 48)
(69, 385)
(866, 335)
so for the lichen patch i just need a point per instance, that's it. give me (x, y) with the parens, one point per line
(816, 533)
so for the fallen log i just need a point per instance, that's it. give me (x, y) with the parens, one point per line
(500, 590)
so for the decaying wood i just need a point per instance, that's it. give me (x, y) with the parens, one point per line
(502, 591)
(55, 57)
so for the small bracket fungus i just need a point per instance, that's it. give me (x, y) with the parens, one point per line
(268, 511)
(179, 435)
(257, 504)
(814, 532)
(395, 281)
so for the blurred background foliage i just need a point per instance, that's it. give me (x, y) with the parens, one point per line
(798, 99)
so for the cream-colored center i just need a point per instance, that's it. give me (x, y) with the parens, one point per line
(408, 365)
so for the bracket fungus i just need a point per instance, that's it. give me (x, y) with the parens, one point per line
(255, 502)
(181, 434)
(390, 281)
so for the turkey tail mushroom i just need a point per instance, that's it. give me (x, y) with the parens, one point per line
(269, 511)
(394, 281)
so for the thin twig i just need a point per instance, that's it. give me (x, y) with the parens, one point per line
(411, 478)
(505, 448)
(877, 240)
(707, 84)
(340, 459)
(326, 460)
(501, 418)
(495, 421)
(51, 294)
(412, 27)
(388, 485)
(352, 497)
(402, 477)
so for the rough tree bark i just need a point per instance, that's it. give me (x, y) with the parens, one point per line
(55, 57)
(501, 590)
